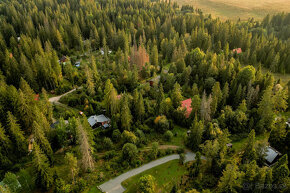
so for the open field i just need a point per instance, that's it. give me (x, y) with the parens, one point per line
(235, 9)
(166, 175)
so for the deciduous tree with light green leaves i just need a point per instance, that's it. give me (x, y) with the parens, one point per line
(147, 184)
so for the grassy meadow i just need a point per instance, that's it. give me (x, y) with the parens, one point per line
(235, 9)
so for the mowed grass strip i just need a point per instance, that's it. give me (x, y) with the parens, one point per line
(165, 175)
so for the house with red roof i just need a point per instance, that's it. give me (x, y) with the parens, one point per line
(36, 97)
(187, 105)
(237, 51)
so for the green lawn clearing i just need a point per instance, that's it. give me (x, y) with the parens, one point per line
(166, 175)
(238, 145)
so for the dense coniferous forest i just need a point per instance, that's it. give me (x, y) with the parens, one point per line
(170, 79)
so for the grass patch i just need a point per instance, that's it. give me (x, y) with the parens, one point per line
(94, 189)
(238, 145)
(166, 175)
(178, 136)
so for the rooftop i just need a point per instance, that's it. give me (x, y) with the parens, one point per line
(187, 104)
(271, 154)
(94, 119)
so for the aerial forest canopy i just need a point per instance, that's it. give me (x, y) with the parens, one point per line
(150, 66)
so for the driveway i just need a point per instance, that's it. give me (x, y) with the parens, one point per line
(55, 100)
(114, 185)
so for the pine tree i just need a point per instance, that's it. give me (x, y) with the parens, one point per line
(154, 57)
(195, 105)
(47, 107)
(126, 117)
(4, 140)
(72, 165)
(41, 165)
(17, 135)
(87, 161)
(250, 151)
(265, 108)
(90, 83)
(140, 109)
(176, 95)
(110, 98)
(231, 179)
(195, 137)
(40, 139)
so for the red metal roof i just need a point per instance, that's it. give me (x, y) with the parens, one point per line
(36, 97)
(187, 104)
(237, 50)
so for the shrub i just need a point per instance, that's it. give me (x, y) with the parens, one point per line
(129, 152)
(154, 150)
(141, 136)
(129, 137)
(181, 158)
(147, 184)
(116, 135)
(168, 151)
(110, 154)
(168, 135)
(180, 150)
(161, 123)
(107, 144)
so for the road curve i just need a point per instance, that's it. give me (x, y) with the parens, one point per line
(114, 185)
(55, 99)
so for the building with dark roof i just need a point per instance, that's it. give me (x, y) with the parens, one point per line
(272, 155)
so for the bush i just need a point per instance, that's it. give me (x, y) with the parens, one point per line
(110, 154)
(147, 184)
(129, 137)
(168, 151)
(116, 135)
(180, 150)
(154, 150)
(168, 135)
(107, 144)
(129, 152)
(181, 158)
(161, 123)
(140, 134)
(145, 128)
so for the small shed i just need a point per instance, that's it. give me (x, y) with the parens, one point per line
(154, 80)
(78, 64)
